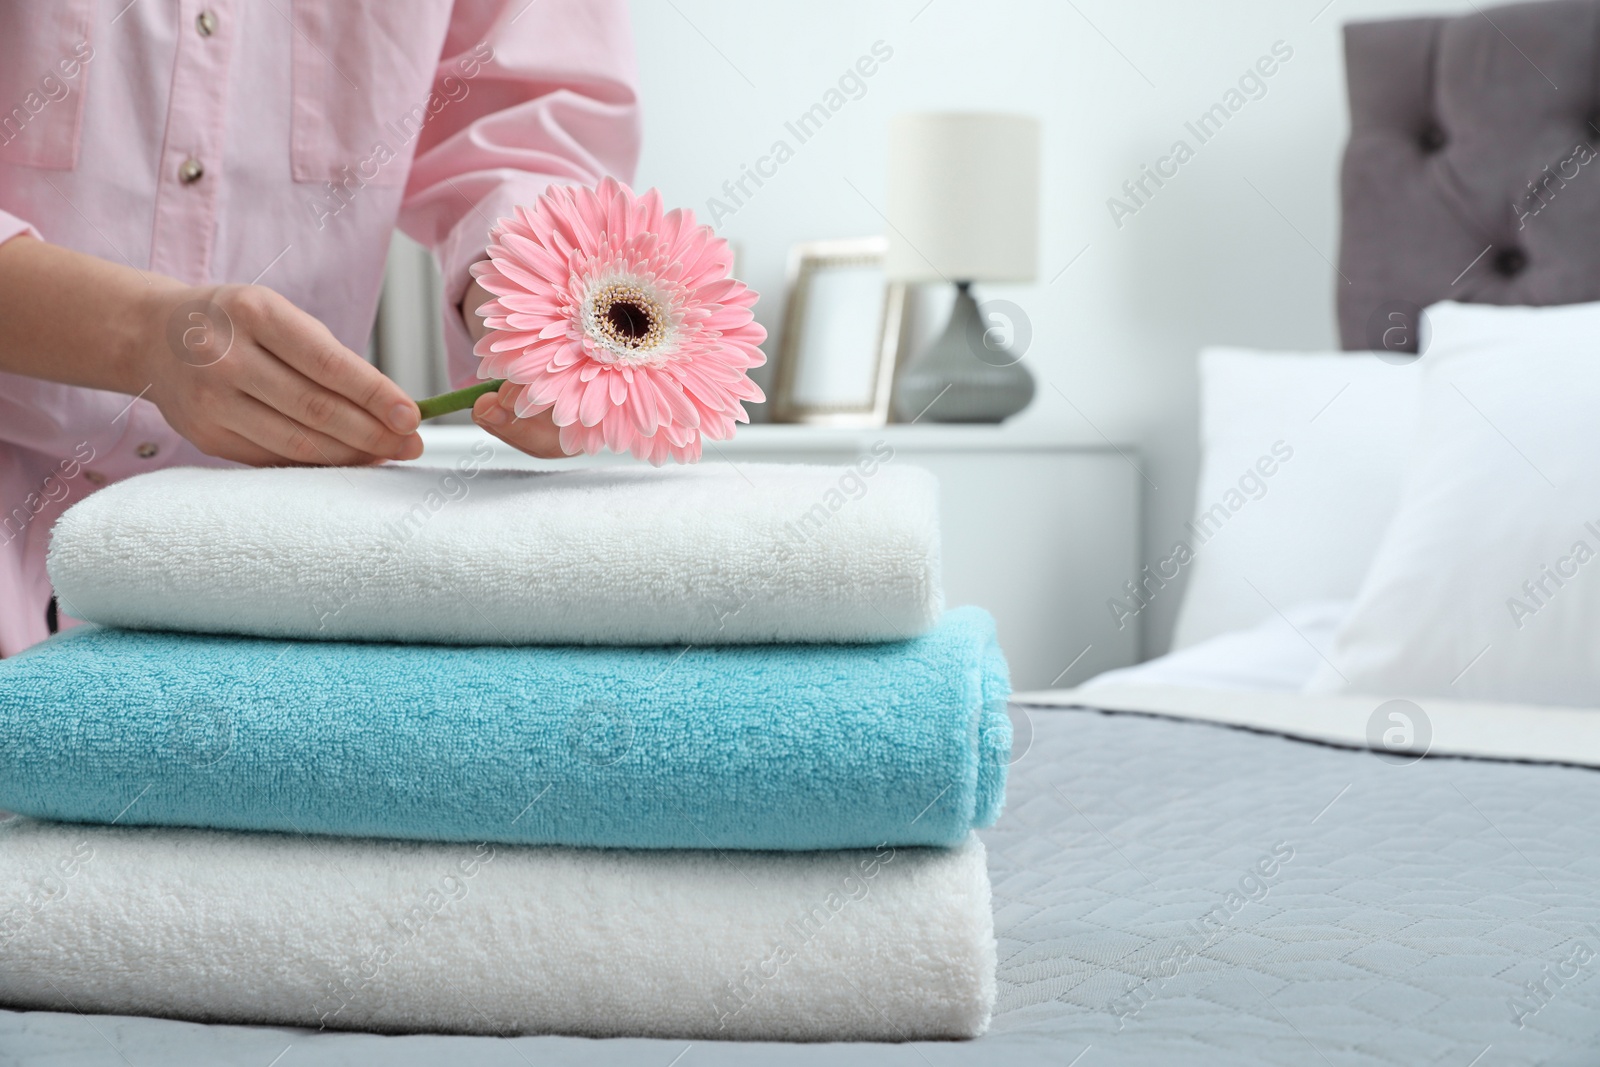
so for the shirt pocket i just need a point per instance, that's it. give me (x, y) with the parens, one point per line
(362, 73)
(48, 52)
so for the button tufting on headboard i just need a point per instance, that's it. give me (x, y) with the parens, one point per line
(1473, 167)
(1511, 262)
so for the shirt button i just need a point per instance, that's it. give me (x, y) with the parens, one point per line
(190, 171)
(94, 477)
(206, 23)
(147, 450)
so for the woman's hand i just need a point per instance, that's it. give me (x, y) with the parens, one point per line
(245, 375)
(237, 369)
(538, 436)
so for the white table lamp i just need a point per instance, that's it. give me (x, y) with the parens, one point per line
(963, 208)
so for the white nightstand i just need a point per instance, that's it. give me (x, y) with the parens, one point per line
(1039, 532)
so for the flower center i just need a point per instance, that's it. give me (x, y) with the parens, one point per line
(628, 320)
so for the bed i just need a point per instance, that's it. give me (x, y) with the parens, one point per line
(1198, 863)
(1408, 906)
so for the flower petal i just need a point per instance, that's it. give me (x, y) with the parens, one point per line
(567, 397)
(596, 401)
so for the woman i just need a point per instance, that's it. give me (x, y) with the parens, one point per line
(196, 200)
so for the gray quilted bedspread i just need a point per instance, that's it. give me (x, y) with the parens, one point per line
(1172, 893)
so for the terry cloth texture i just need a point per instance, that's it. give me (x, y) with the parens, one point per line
(747, 747)
(880, 944)
(613, 556)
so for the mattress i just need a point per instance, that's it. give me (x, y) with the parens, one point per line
(1173, 891)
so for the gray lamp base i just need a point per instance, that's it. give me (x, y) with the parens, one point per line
(963, 376)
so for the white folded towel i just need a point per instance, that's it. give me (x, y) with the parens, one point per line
(876, 945)
(714, 554)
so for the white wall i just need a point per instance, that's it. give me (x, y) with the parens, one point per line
(1209, 259)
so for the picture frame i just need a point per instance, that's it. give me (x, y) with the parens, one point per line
(844, 330)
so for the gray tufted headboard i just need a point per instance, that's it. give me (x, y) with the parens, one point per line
(1473, 168)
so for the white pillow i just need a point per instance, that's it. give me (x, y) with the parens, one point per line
(1487, 584)
(1280, 654)
(1332, 428)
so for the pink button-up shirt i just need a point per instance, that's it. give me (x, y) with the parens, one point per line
(280, 142)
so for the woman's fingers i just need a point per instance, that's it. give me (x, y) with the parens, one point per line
(225, 444)
(309, 404)
(307, 345)
(290, 394)
(292, 442)
(537, 436)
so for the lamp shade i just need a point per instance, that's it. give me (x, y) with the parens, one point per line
(963, 197)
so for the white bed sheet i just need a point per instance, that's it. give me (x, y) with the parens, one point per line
(1255, 678)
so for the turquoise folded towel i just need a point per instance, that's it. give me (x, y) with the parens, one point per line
(751, 747)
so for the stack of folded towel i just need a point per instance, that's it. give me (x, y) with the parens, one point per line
(685, 753)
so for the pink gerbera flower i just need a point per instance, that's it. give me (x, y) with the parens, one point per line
(621, 320)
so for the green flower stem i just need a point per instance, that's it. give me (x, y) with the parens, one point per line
(459, 400)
